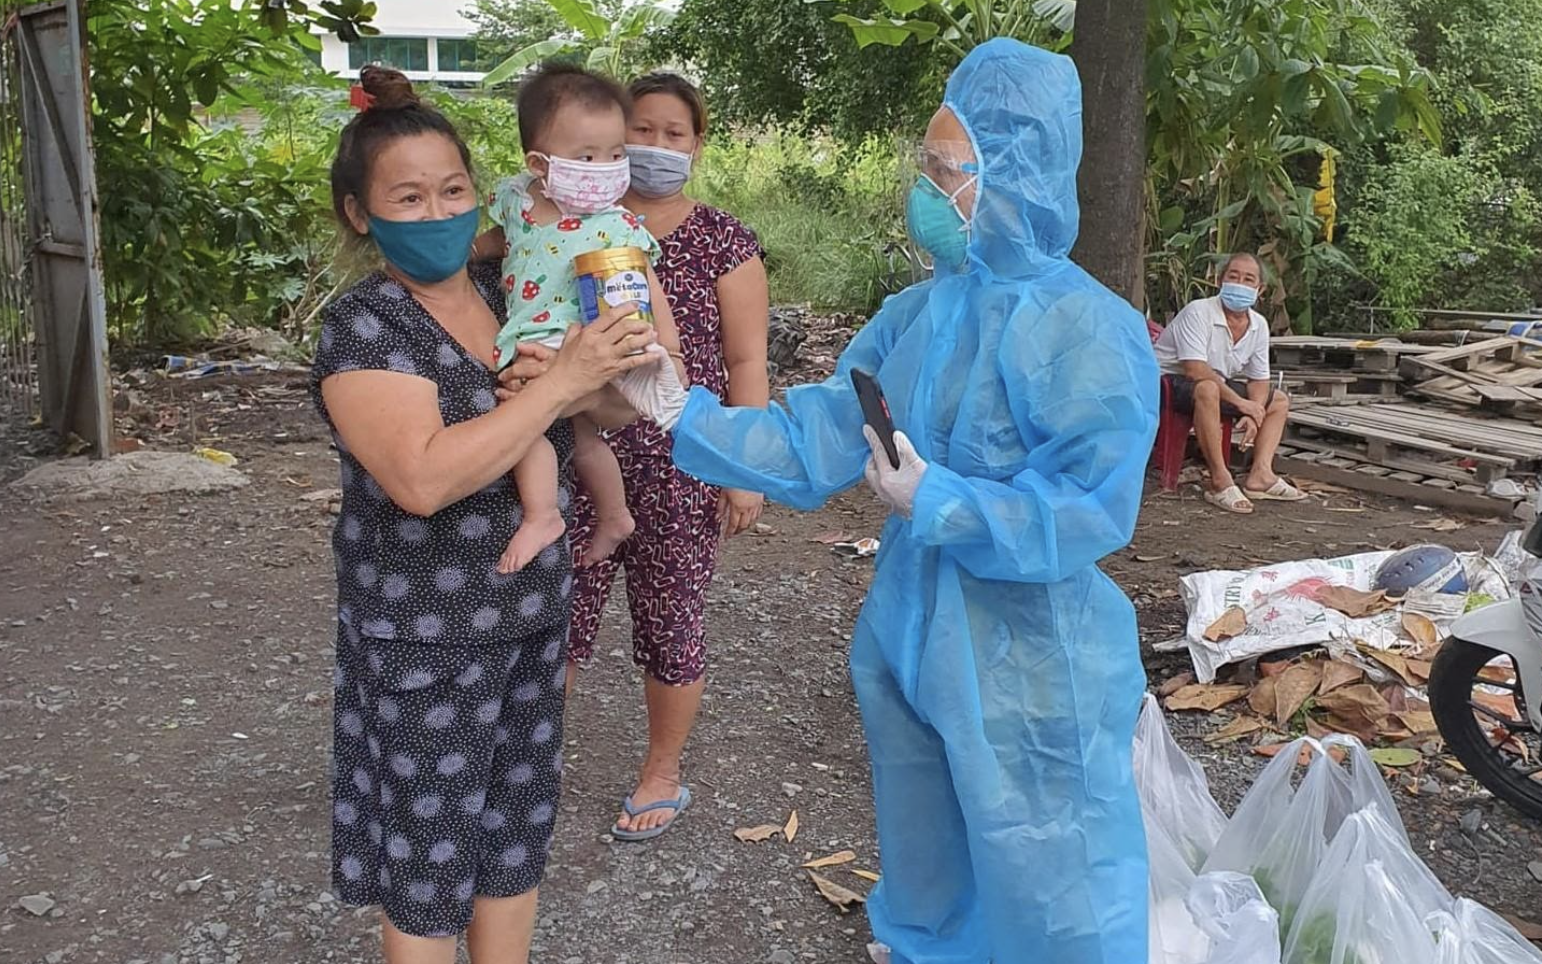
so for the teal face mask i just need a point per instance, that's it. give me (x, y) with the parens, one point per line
(934, 222)
(427, 251)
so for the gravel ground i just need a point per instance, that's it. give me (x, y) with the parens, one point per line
(164, 722)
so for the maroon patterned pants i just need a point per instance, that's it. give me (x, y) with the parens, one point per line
(669, 562)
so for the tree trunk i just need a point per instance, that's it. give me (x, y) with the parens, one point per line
(1109, 48)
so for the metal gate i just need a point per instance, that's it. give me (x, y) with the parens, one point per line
(53, 325)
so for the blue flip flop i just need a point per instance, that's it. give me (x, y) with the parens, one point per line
(678, 804)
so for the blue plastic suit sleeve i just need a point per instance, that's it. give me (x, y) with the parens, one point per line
(798, 455)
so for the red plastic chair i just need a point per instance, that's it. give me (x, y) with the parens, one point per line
(1173, 430)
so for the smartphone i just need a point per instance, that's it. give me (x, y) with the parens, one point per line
(875, 411)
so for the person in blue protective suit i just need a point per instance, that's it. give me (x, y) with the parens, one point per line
(997, 668)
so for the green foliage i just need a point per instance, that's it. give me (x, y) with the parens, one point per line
(1240, 108)
(613, 38)
(1475, 242)
(506, 26)
(959, 25)
(836, 246)
(783, 63)
(178, 232)
(1425, 220)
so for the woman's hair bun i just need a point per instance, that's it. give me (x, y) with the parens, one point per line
(389, 88)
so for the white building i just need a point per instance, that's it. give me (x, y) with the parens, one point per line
(425, 39)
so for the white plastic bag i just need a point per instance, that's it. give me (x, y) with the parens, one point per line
(1219, 918)
(1231, 911)
(1280, 831)
(1174, 794)
(1473, 934)
(1372, 901)
(1174, 936)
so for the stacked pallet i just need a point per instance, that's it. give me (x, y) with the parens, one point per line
(1425, 423)
(1503, 374)
(1341, 367)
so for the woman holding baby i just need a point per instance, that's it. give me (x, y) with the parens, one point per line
(452, 629)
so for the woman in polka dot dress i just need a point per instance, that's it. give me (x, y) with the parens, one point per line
(448, 690)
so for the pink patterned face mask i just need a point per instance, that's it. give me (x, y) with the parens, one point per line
(583, 187)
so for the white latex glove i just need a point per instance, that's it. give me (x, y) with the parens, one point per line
(895, 487)
(654, 390)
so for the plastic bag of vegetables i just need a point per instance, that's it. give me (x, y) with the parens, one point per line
(1372, 901)
(1174, 794)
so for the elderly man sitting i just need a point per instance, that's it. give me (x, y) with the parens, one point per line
(1215, 358)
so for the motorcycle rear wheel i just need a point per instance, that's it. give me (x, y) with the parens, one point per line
(1453, 679)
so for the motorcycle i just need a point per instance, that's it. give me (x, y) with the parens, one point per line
(1485, 690)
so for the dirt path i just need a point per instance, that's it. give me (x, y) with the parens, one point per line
(165, 675)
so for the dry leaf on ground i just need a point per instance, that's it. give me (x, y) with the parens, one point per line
(1312, 485)
(865, 874)
(757, 834)
(1393, 661)
(1358, 709)
(1419, 669)
(1419, 722)
(834, 860)
(1504, 705)
(1494, 673)
(1199, 696)
(1235, 730)
(1316, 730)
(1175, 684)
(1305, 757)
(1232, 622)
(1265, 696)
(1423, 631)
(1295, 685)
(1336, 674)
(1440, 525)
(841, 897)
(791, 830)
(1355, 603)
(1530, 930)
(831, 538)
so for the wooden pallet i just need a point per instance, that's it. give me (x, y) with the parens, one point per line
(1345, 354)
(1465, 446)
(1412, 486)
(1457, 375)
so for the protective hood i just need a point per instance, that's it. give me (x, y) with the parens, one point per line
(1022, 109)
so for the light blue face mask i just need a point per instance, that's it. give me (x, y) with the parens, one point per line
(658, 172)
(1238, 297)
(935, 223)
(427, 251)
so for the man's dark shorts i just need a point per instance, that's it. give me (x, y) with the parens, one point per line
(1181, 391)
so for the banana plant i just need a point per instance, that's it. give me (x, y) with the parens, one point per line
(959, 25)
(609, 41)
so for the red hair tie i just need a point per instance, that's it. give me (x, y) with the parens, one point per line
(359, 98)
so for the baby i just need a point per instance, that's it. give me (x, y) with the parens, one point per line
(573, 127)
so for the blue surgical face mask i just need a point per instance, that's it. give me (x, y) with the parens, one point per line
(1238, 297)
(427, 251)
(657, 171)
(935, 223)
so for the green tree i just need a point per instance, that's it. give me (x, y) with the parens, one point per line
(504, 27)
(175, 229)
(784, 63)
(613, 39)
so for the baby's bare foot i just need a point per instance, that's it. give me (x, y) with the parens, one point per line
(609, 533)
(535, 533)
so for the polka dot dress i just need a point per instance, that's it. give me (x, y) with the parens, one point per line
(448, 689)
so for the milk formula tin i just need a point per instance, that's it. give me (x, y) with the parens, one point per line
(613, 276)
